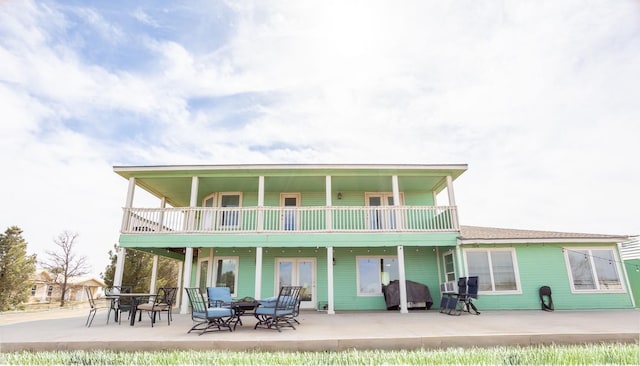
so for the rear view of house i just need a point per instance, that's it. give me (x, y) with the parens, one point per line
(343, 232)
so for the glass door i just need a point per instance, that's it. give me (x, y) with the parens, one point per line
(289, 220)
(298, 272)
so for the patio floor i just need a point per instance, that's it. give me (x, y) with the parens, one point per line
(59, 330)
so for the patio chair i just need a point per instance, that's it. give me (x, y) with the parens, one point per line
(208, 318)
(163, 301)
(114, 303)
(221, 297)
(93, 307)
(275, 313)
(465, 297)
(545, 293)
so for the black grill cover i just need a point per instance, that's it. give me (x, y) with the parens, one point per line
(416, 293)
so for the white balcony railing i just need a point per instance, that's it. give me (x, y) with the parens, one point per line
(281, 219)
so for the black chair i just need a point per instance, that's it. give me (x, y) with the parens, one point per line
(163, 301)
(545, 293)
(93, 308)
(464, 299)
(208, 318)
(281, 311)
(118, 305)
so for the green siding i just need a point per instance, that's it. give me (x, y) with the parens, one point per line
(633, 271)
(541, 265)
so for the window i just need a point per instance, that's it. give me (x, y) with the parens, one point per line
(449, 268)
(226, 273)
(374, 272)
(230, 217)
(34, 289)
(49, 290)
(593, 270)
(496, 269)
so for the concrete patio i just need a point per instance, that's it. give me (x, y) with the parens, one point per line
(60, 330)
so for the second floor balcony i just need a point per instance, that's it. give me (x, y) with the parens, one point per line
(321, 219)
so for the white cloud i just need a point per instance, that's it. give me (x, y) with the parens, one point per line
(539, 99)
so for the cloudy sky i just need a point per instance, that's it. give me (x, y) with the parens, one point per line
(540, 98)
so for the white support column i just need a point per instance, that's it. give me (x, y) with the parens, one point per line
(396, 202)
(154, 275)
(117, 276)
(193, 201)
(179, 296)
(163, 204)
(461, 270)
(260, 203)
(402, 280)
(210, 267)
(329, 200)
(128, 204)
(188, 263)
(452, 202)
(330, 308)
(258, 282)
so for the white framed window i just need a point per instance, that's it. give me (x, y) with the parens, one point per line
(49, 290)
(207, 219)
(289, 218)
(449, 267)
(593, 270)
(230, 218)
(34, 289)
(496, 268)
(375, 271)
(225, 273)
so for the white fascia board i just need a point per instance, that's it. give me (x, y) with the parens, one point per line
(291, 166)
(540, 241)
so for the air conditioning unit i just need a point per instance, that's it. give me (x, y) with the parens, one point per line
(449, 287)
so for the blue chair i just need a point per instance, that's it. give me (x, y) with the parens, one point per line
(465, 297)
(280, 311)
(221, 297)
(208, 318)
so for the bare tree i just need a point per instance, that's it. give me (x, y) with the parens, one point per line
(63, 263)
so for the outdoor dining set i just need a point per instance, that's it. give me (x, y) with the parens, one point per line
(211, 311)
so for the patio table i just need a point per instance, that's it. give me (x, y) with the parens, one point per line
(243, 308)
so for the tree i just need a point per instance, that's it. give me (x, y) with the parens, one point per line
(16, 268)
(63, 264)
(137, 272)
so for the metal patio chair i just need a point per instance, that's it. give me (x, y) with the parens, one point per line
(208, 318)
(465, 298)
(163, 301)
(93, 307)
(279, 312)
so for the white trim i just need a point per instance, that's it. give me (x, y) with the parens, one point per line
(444, 266)
(597, 290)
(514, 261)
(238, 218)
(540, 241)
(267, 167)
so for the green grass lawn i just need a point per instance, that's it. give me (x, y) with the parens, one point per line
(596, 354)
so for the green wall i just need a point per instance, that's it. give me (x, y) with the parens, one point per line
(633, 271)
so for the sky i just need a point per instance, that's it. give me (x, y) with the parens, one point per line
(540, 99)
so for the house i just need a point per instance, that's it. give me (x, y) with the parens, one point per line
(45, 289)
(344, 231)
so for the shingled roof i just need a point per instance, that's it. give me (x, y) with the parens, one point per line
(479, 234)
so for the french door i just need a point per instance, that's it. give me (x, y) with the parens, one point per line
(380, 217)
(298, 272)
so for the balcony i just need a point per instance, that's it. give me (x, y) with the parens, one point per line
(320, 219)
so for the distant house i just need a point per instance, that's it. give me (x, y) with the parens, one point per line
(344, 231)
(45, 289)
